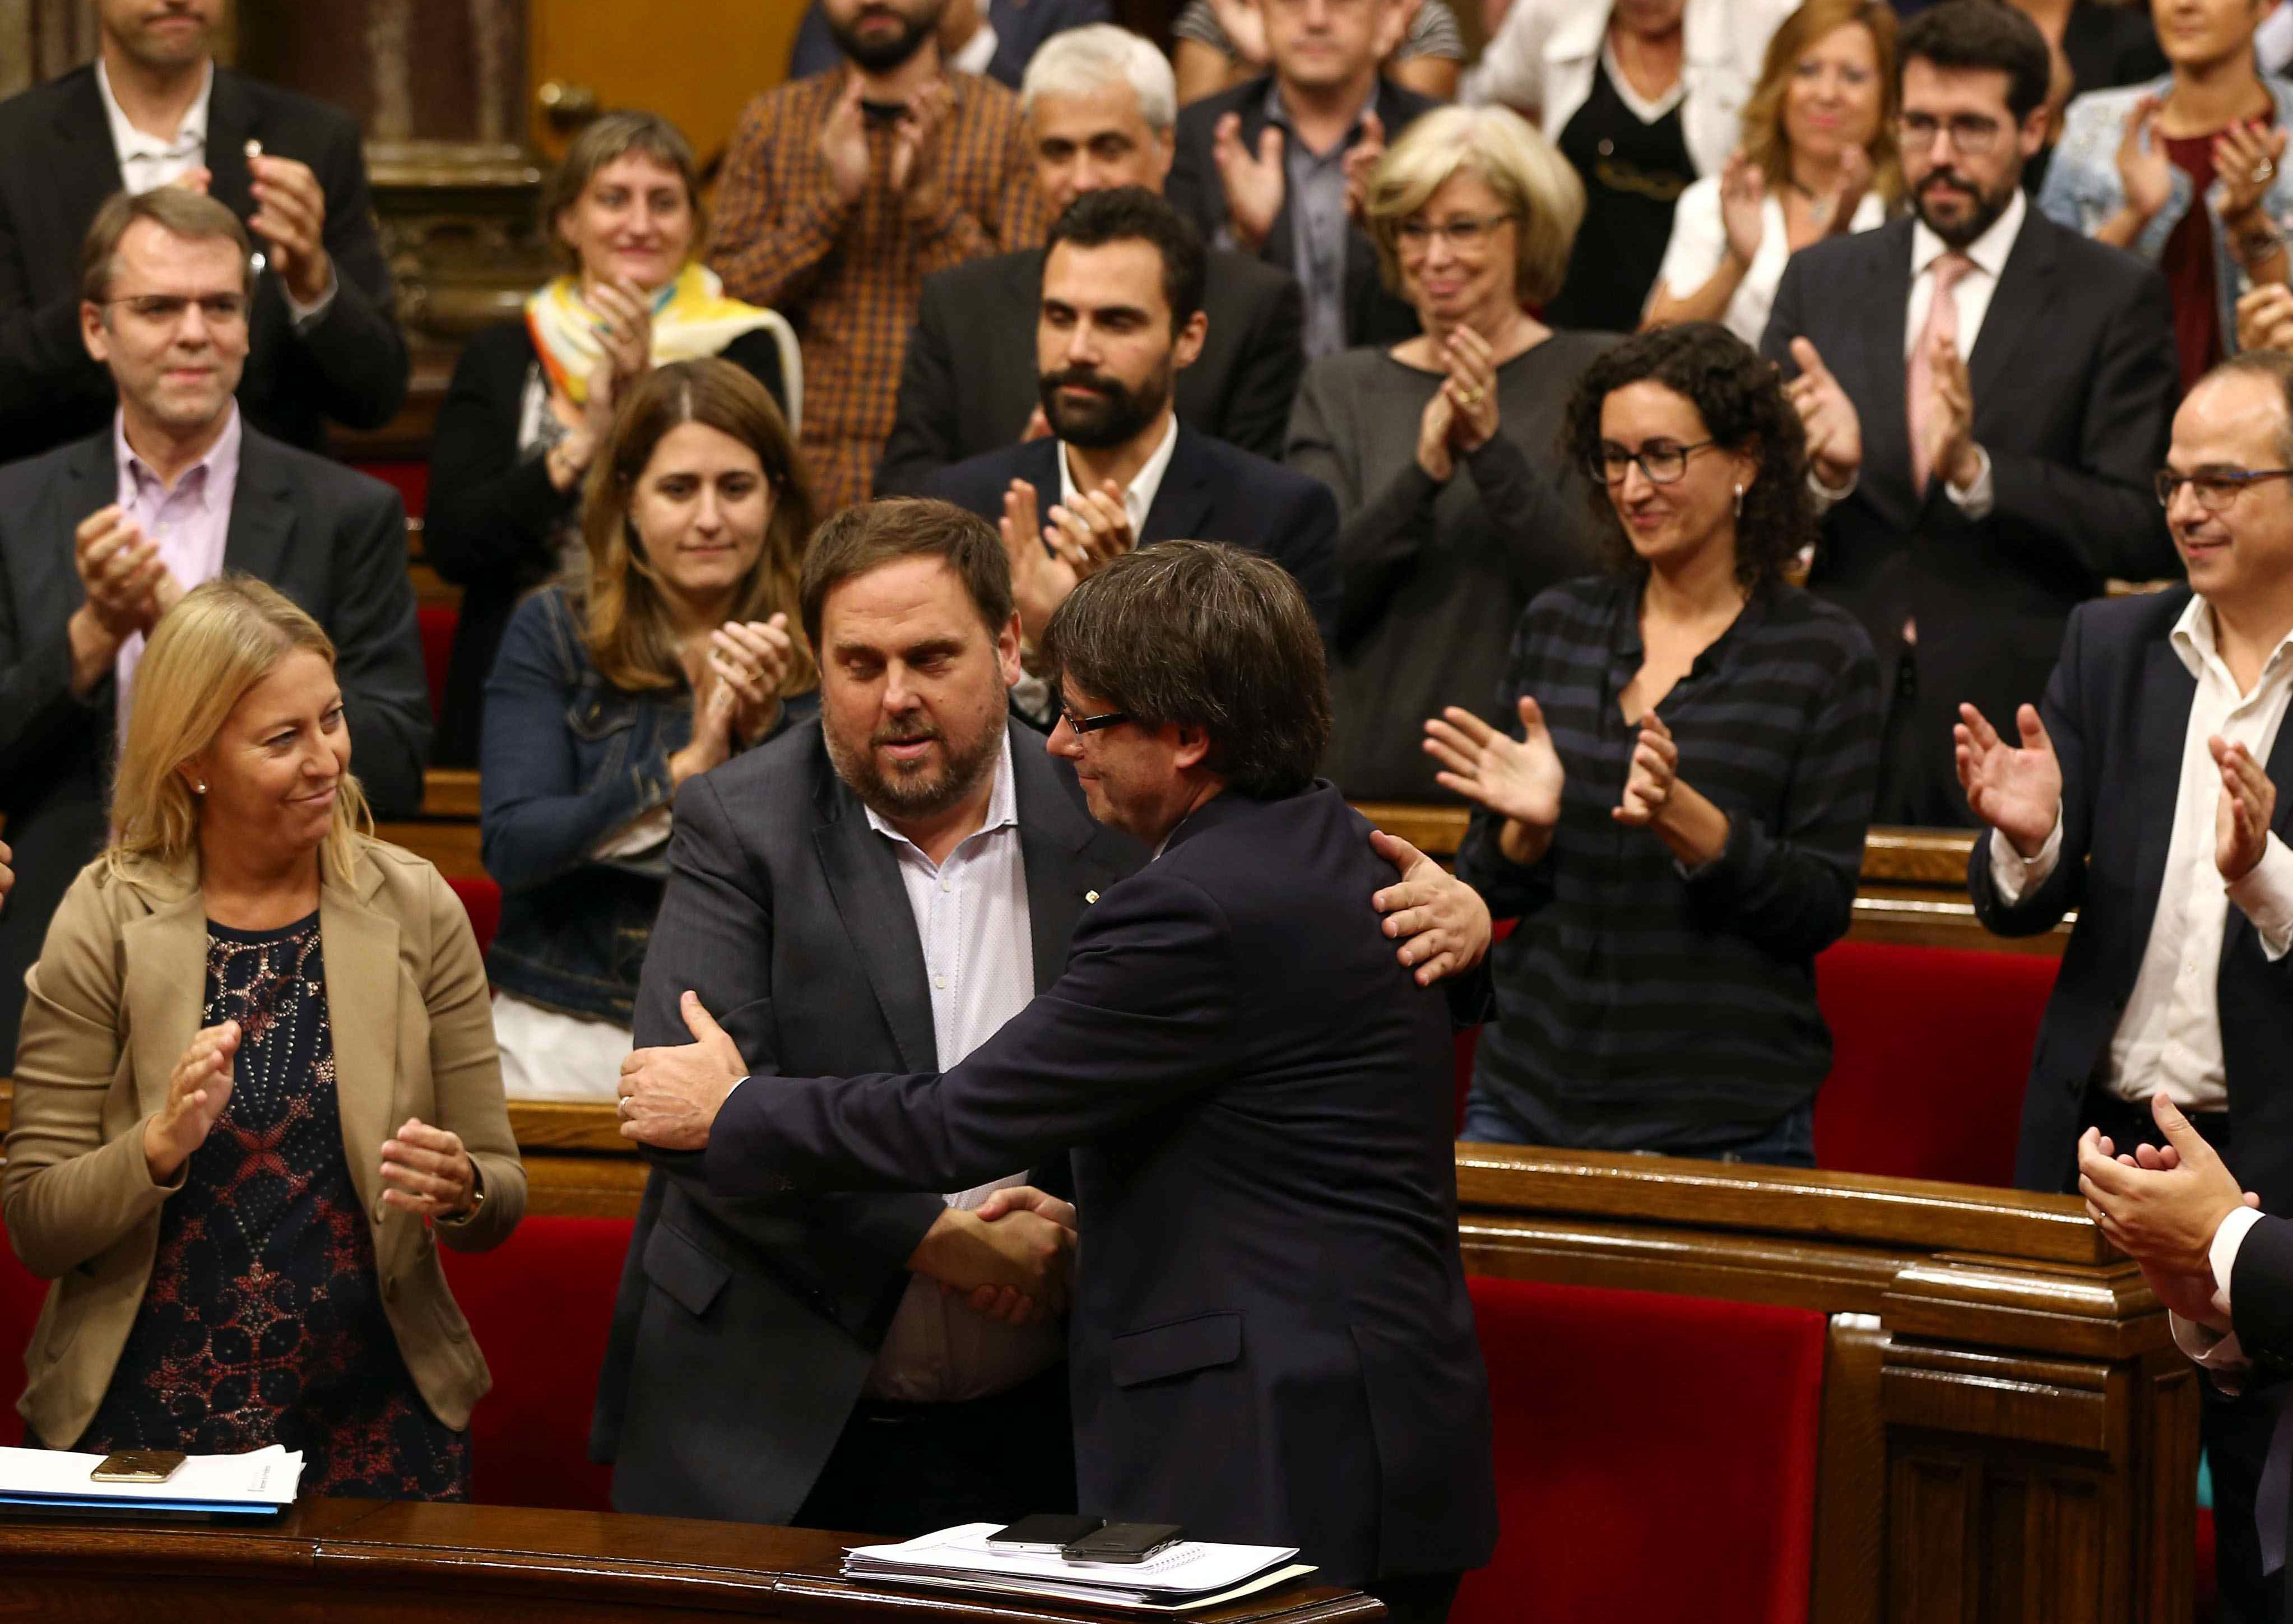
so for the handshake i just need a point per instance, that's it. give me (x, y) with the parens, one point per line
(1010, 1259)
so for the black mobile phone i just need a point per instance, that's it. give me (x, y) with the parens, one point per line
(1046, 1533)
(138, 1466)
(1123, 1542)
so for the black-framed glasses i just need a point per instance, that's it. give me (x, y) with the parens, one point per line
(1465, 234)
(166, 309)
(1080, 725)
(2215, 488)
(1661, 462)
(1971, 134)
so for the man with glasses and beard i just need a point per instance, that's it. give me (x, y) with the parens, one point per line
(1121, 315)
(1986, 393)
(844, 191)
(880, 891)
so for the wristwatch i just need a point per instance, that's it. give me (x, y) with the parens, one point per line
(477, 1201)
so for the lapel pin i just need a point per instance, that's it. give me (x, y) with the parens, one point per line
(1091, 896)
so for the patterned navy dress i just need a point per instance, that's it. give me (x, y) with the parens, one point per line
(263, 1323)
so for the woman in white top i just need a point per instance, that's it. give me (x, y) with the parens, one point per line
(1819, 157)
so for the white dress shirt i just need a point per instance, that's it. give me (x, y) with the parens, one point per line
(979, 956)
(189, 521)
(1138, 495)
(2168, 1037)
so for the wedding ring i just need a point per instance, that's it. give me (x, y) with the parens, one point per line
(2264, 173)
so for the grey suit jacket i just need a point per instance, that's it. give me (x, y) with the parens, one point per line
(333, 540)
(745, 1328)
(968, 378)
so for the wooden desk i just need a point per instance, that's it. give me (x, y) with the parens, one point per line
(365, 1562)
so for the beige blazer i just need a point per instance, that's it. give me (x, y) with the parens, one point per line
(113, 1002)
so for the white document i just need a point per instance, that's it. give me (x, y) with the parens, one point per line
(262, 1477)
(1188, 1568)
(1094, 1595)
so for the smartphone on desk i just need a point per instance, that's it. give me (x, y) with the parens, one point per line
(1044, 1534)
(1125, 1542)
(138, 1466)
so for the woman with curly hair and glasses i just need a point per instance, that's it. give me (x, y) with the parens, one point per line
(1676, 814)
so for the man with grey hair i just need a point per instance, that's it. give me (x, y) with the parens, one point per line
(1270, 1339)
(1100, 107)
(99, 538)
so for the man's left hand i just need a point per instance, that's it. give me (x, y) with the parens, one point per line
(1952, 454)
(1441, 922)
(291, 214)
(2241, 816)
(670, 1097)
(2161, 1210)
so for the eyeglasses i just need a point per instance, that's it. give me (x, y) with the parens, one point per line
(2216, 491)
(1080, 725)
(1466, 233)
(166, 309)
(1661, 462)
(1970, 133)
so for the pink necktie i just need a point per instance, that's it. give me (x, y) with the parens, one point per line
(1942, 323)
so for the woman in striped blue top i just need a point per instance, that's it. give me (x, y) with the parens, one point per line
(1676, 812)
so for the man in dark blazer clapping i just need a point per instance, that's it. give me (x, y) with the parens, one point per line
(1121, 317)
(1986, 395)
(98, 538)
(1100, 103)
(1271, 1340)
(156, 109)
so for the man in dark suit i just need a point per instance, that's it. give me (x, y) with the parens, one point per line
(1100, 103)
(155, 108)
(98, 538)
(998, 44)
(1272, 1339)
(2144, 793)
(1986, 395)
(1279, 167)
(1121, 317)
(876, 892)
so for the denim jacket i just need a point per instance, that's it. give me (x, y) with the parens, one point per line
(2083, 190)
(566, 760)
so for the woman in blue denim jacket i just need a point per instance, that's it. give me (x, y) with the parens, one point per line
(2112, 178)
(676, 651)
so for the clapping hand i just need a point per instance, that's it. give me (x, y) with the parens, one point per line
(1093, 533)
(1743, 203)
(1040, 580)
(197, 1090)
(843, 145)
(1471, 387)
(1834, 431)
(1519, 779)
(1254, 183)
(2246, 157)
(7, 874)
(914, 171)
(1950, 423)
(121, 573)
(751, 660)
(2264, 318)
(2249, 802)
(427, 1171)
(1361, 161)
(2144, 171)
(1854, 181)
(2018, 792)
(291, 214)
(1655, 769)
(624, 326)
(2160, 1207)
(1441, 922)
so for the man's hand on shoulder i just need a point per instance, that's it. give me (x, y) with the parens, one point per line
(1441, 922)
(670, 1096)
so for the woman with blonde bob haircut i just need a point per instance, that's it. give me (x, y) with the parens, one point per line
(1818, 159)
(234, 1004)
(1454, 511)
(673, 651)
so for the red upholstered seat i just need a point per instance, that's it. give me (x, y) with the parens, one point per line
(410, 478)
(21, 1292)
(481, 901)
(1656, 1457)
(1931, 1048)
(436, 623)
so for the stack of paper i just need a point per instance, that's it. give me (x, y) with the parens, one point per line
(1187, 1575)
(258, 1484)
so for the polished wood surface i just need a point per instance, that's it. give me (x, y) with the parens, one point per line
(360, 1560)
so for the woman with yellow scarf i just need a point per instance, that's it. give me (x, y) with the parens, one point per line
(533, 399)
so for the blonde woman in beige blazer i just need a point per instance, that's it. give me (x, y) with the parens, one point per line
(255, 1089)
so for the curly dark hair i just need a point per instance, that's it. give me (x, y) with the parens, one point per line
(1743, 404)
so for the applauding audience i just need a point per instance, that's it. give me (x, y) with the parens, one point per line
(1216, 44)
(302, 1009)
(1439, 450)
(997, 38)
(671, 653)
(2186, 172)
(1677, 814)
(1280, 167)
(1818, 159)
(1121, 315)
(833, 213)
(1099, 111)
(533, 399)
(102, 537)
(156, 109)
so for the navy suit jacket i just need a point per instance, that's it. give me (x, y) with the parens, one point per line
(2118, 708)
(1272, 1339)
(1212, 491)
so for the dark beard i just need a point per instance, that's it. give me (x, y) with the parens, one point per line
(1986, 212)
(881, 56)
(913, 796)
(1111, 418)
